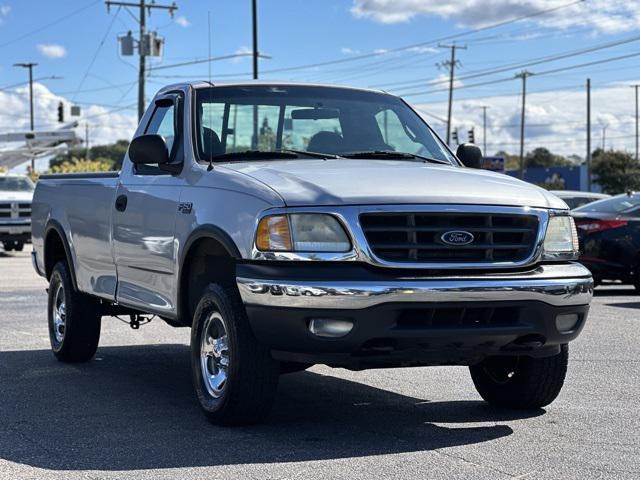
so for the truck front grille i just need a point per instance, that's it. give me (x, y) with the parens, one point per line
(15, 210)
(418, 237)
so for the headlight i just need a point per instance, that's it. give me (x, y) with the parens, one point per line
(301, 232)
(561, 239)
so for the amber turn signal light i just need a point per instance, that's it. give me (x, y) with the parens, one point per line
(274, 234)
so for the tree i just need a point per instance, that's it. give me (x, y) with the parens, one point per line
(615, 171)
(113, 154)
(542, 157)
(78, 165)
(538, 157)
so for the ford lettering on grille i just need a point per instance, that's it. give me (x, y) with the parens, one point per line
(457, 237)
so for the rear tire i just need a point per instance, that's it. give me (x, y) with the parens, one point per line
(74, 319)
(18, 246)
(521, 382)
(234, 376)
(8, 246)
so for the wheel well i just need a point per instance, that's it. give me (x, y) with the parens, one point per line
(54, 251)
(207, 261)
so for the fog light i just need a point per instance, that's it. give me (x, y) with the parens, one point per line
(330, 327)
(567, 322)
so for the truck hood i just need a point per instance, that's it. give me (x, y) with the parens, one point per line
(15, 196)
(371, 182)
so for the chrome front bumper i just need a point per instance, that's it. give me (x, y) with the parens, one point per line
(558, 285)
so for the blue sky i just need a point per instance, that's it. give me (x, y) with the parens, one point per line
(296, 33)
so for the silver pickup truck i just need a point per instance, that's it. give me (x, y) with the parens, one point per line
(291, 225)
(16, 194)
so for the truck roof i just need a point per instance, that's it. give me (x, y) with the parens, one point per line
(205, 83)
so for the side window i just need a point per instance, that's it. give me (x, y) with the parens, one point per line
(162, 123)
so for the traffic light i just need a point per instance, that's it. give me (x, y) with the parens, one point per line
(454, 134)
(61, 112)
(471, 135)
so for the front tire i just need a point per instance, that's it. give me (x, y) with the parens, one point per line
(18, 246)
(234, 376)
(521, 382)
(8, 246)
(74, 319)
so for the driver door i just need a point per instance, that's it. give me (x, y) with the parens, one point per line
(144, 221)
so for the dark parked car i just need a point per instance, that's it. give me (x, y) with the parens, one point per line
(609, 233)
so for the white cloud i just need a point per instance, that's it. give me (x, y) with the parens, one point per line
(602, 15)
(244, 52)
(349, 51)
(554, 119)
(183, 21)
(104, 126)
(52, 50)
(442, 81)
(4, 12)
(424, 49)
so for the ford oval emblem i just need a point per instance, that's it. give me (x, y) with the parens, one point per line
(457, 237)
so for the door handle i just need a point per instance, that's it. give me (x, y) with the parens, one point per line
(121, 203)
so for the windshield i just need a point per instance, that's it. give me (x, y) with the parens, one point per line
(15, 184)
(620, 204)
(328, 120)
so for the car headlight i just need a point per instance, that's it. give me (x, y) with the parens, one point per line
(301, 232)
(561, 239)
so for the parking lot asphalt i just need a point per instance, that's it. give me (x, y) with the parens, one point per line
(131, 413)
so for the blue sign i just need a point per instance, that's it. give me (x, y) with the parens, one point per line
(495, 164)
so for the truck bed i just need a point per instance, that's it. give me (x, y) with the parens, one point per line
(81, 206)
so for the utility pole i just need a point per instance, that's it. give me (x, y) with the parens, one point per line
(254, 18)
(144, 45)
(86, 140)
(256, 54)
(604, 137)
(484, 128)
(30, 67)
(31, 122)
(636, 89)
(523, 75)
(452, 63)
(588, 134)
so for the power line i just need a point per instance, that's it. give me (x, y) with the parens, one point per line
(432, 42)
(96, 53)
(204, 60)
(538, 74)
(51, 24)
(526, 63)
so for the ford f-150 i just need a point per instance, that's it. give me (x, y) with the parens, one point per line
(290, 225)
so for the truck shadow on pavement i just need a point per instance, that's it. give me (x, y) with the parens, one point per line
(134, 408)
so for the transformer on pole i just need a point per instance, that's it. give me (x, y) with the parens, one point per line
(148, 44)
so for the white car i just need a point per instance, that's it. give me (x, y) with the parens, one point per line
(16, 195)
(575, 198)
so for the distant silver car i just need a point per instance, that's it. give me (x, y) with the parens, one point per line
(290, 225)
(16, 194)
(576, 198)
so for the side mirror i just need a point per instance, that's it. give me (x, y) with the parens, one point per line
(470, 155)
(148, 149)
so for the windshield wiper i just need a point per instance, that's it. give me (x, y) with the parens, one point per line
(391, 155)
(311, 154)
(256, 155)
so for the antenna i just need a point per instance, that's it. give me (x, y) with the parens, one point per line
(210, 167)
